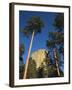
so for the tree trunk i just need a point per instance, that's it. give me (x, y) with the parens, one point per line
(28, 56)
(56, 61)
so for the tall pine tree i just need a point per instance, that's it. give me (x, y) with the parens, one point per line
(56, 40)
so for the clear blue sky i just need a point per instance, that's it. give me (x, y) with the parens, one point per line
(40, 39)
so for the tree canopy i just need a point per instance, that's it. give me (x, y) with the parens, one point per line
(21, 49)
(33, 24)
(56, 37)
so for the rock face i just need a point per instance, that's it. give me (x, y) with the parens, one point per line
(39, 56)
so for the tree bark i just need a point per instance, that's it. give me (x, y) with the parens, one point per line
(56, 61)
(28, 56)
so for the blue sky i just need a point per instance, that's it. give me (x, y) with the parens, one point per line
(39, 41)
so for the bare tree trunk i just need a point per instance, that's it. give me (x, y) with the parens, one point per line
(27, 60)
(56, 61)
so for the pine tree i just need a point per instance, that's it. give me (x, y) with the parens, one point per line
(21, 64)
(34, 26)
(56, 40)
